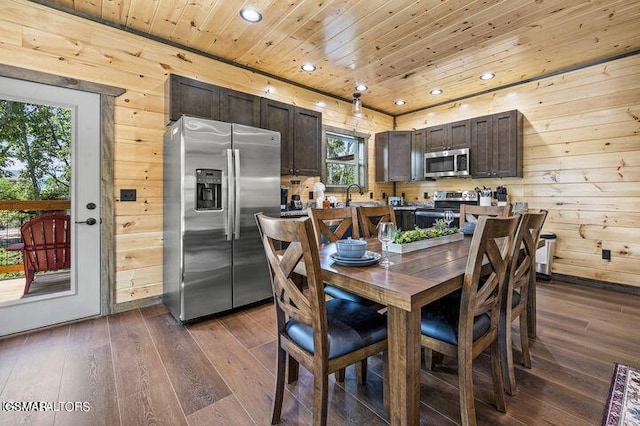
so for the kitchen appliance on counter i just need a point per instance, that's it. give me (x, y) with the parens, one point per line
(296, 202)
(284, 198)
(396, 201)
(216, 177)
(442, 201)
(450, 163)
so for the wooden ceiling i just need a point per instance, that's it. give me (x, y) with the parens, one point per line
(399, 49)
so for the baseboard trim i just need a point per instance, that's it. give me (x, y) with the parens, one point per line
(135, 304)
(621, 288)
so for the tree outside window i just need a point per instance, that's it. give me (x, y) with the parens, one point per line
(345, 157)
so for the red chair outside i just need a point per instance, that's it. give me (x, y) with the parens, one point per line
(46, 245)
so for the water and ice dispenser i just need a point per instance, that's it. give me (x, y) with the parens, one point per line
(208, 189)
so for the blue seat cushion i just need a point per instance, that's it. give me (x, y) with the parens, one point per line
(338, 293)
(440, 320)
(351, 326)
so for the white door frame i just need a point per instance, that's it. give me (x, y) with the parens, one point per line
(83, 298)
(107, 104)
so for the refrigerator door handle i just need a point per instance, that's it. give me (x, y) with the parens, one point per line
(236, 207)
(228, 223)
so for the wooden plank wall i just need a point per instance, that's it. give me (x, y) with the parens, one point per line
(40, 38)
(581, 162)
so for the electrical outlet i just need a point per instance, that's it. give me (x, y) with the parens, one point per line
(425, 195)
(311, 195)
(127, 195)
(606, 254)
(371, 195)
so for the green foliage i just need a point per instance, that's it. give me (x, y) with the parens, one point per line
(341, 160)
(35, 139)
(417, 234)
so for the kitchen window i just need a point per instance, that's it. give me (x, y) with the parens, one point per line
(344, 158)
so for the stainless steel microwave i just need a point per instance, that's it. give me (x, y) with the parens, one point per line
(447, 163)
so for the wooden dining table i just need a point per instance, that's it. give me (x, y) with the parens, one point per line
(412, 281)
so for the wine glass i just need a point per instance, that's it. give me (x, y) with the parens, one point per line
(385, 235)
(448, 217)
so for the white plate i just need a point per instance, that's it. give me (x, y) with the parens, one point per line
(368, 255)
(364, 261)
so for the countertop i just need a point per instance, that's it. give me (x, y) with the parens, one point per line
(409, 207)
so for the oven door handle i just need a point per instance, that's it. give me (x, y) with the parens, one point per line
(436, 214)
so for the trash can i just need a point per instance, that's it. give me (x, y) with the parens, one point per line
(544, 256)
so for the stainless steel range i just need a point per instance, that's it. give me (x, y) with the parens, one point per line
(442, 201)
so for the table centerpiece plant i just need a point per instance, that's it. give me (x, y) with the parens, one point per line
(416, 239)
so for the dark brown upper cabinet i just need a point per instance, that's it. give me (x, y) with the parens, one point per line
(185, 96)
(393, 156)
(448, 136)
(240, 108)
(300, 135)
(496, 145)
(418, 140)
(191, 97)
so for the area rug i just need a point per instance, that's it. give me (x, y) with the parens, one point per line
(623, 406)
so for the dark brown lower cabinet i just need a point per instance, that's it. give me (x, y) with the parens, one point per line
(406, 219)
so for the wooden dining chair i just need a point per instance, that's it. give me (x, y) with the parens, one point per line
(322, 336)
(514, 304)
(331, 225)
(369, 217)
(499, 211)
(463, 324)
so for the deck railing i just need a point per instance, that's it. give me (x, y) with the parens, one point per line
(11, 262)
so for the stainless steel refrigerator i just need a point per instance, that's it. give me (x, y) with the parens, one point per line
(216, 177)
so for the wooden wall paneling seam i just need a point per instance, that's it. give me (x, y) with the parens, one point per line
(139, 277)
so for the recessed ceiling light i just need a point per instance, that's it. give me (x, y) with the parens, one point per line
(308, 67)
(250, 14)
(436, 91)
(320, 104)
(361, 87)
(399, 102)
(487, 76)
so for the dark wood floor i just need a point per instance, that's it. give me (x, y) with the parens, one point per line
(142, 368)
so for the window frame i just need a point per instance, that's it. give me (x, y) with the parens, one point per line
(364, 145)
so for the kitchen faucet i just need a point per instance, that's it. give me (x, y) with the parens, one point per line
(348, 200)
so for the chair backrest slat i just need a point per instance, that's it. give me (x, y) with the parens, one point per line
(524, 252)
(370, 217)
(331, 225)
(499, 211)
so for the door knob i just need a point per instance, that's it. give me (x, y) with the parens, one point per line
(89, 221)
